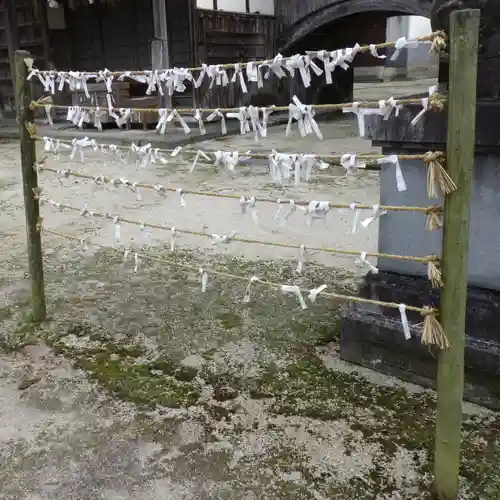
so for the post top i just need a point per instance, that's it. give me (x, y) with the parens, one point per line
(489, 30)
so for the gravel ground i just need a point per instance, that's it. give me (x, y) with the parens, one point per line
(141, 386)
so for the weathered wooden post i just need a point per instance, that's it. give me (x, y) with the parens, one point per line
(25, 119)
(463, 49)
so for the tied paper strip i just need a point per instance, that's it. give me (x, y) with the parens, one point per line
(300, 264)
(324, 56)
(79, 144)
(175, 115)
(313, 294)
(295, 290)
(362, 261)
(227, 159)
(400, 181)
(388, 107)
(224, 239)
(203, 279)
(317, 210)
(403, 43)
(199, 154)
(137, 262)
(116, 222)
(238, 75)
(161, 126)
(350, 163)
(243, 117)
(404, 321)
(425, 105)
(246, 297)
(122, 117)
(182, 197)
(173, 233)
(48, 112)
(304, 115)
(143, 154)
(374, 53)
(355, 222)
(257, 128)
(254, 75)
(293, 209)
(199, 118)
(218, 114)
(375, 215)
(278, 210)
(249, 203)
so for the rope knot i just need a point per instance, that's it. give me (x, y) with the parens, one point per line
(438, 180)
(436, 102)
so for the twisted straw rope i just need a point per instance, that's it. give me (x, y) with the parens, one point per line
(426, 210)
(438, 39)
(436, 103)
(424, 311)
(331, 158)
(106, 216)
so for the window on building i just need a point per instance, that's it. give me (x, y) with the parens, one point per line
(265, 7)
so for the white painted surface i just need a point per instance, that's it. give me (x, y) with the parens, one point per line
(265, 7)
(419, 26)
(232, 5)
(205, 4)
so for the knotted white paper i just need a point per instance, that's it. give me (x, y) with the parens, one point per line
(375, 215)
(362, 261)
(313, 293)
(295, 290)
(404, 321)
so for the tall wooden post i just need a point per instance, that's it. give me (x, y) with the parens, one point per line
(25, 119)
(160, 54)
(464, 34)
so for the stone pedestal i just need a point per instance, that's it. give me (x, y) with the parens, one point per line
(372, 336)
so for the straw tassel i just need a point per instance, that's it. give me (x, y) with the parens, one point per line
(434, 273)
(434, 221)
(438, 43)
(438, 180)
(433, 334)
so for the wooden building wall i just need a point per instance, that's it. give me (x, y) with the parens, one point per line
(31, 38)
(225, 37)
(104, 35)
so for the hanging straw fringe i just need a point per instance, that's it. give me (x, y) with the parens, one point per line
(438, 180)
(434, 273)
(433, 334)
(42, 102)
(438, 43)
(434, 221)
(436, 102)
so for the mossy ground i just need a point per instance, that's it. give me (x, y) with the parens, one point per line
(131, 333)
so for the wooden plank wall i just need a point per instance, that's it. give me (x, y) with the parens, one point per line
(224, 37)
(30, 38)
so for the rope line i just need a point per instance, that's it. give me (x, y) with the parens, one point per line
(433, 209)
(106, 216)
(436, 102)
(330, 158)
(424, 311)
(437, 38)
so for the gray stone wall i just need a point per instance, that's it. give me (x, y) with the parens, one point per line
(404, 233)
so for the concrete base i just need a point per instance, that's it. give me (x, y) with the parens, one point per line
(373, 337)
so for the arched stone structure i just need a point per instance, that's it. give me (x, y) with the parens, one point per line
(300, 18)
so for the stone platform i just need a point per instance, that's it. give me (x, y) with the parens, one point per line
(373, 337)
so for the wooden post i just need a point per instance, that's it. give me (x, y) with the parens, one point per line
(160, 57)
(25, 118)
(464, 33)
